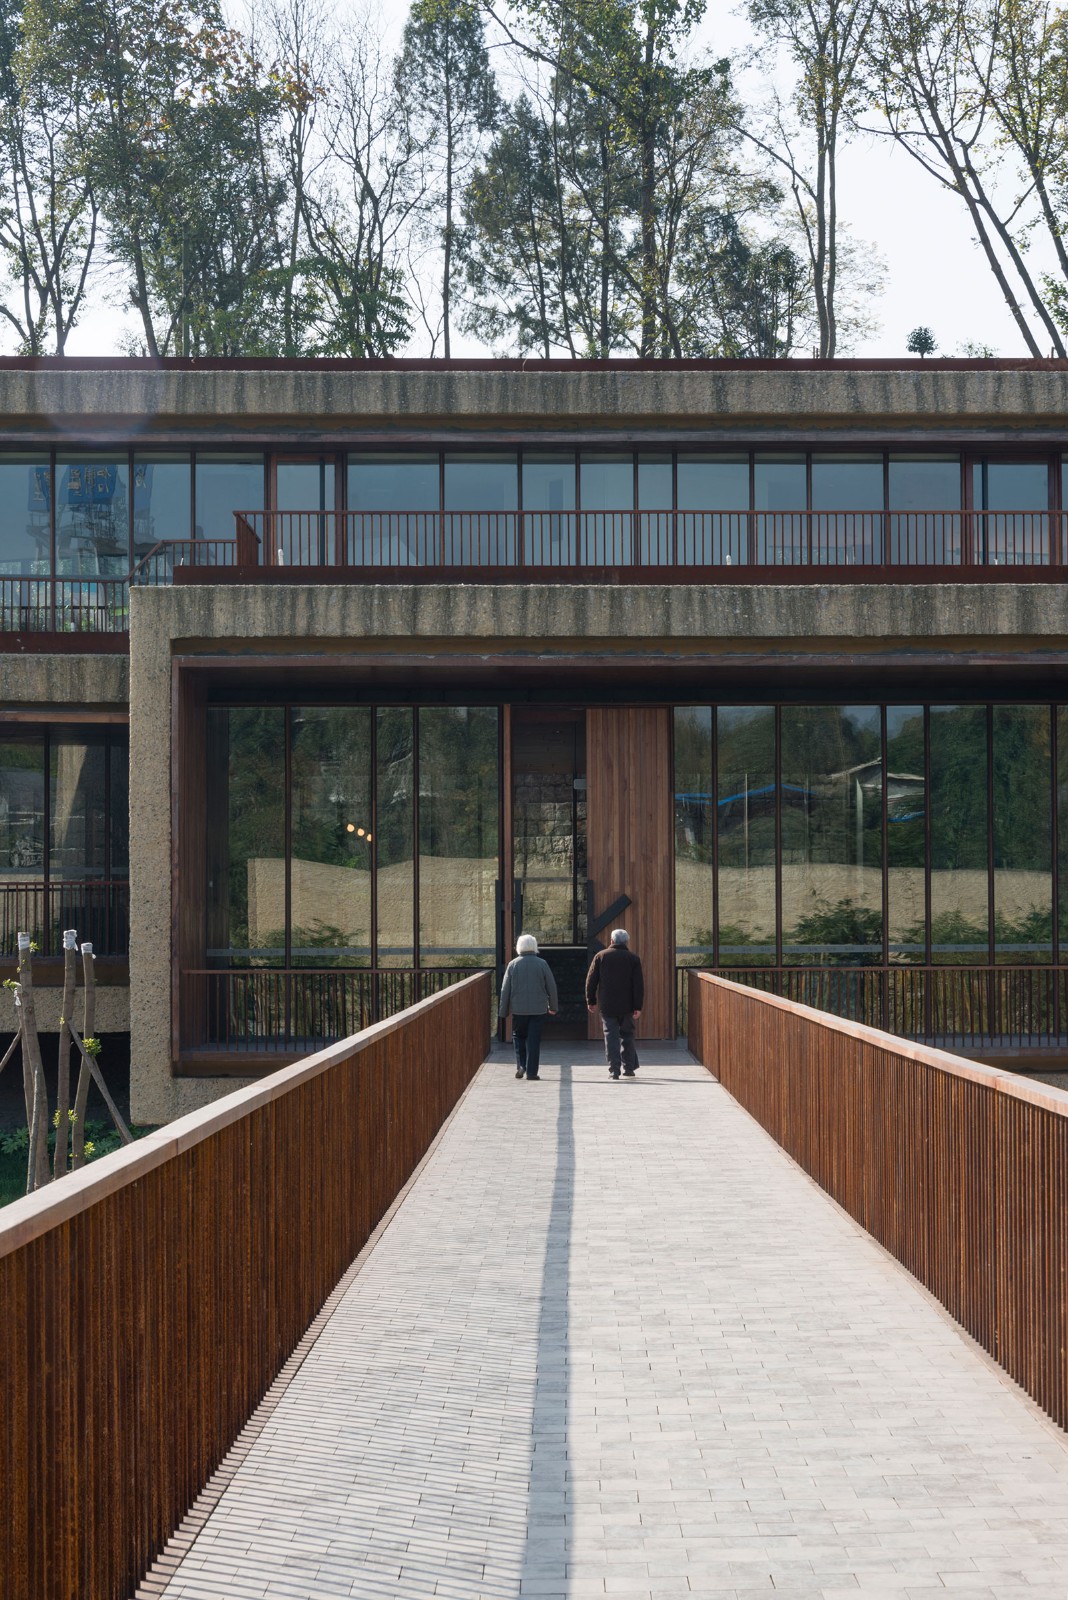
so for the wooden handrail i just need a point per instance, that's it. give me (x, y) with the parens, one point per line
(959, 1170)
(150, 1299)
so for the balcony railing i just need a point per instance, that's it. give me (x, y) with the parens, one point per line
(259, 1010)
(98, 908)
(561, 541)
(970, 1008)
(561, 546)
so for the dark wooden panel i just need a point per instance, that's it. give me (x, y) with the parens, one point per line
(630, 843)
(189, 1271)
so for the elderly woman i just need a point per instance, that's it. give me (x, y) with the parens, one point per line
(527, 993)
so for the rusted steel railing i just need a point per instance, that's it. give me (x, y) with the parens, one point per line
(959, 1170)
(149, 1300)
(98, 907)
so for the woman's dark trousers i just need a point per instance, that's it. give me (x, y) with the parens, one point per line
(526, 1036)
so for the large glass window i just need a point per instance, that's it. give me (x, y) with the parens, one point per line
(606, 495)
(831, 808)
(247, 835)
(656, 528)
(92, 516)
(395, 835)
(162, 501)
(63, 829)
(481, 498)
(225, 484)
(304, 529)
(458, 835)
(1012, 512)
(848, 491)
(960, 920)
(1023, 860)
(332, 836)
(548, 510)
(25, 515)
(396, 499)
(713, 500)
(923, 493)
(745, 826)
(906, 832)
(780, 497)
(694, 829)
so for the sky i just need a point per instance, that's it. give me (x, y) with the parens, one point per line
(935, 273)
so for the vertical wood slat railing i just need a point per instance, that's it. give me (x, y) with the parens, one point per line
(150, 1300)
(958, 1170)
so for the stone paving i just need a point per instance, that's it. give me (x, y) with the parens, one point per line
(615, 1343)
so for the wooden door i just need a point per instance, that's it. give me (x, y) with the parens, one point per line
(630, 828)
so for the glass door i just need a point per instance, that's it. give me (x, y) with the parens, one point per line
(549, 848)
(304, 527)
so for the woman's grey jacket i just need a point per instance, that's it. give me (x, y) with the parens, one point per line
(529, 988)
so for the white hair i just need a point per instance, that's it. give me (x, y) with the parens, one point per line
(526, 945)
(620, 936)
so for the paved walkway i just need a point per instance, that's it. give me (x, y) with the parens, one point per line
(615, 1343)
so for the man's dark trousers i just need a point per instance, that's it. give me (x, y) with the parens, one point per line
(619, 1042)
(526, 1036)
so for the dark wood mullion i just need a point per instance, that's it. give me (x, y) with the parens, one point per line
(990, 856)
(714, 791)
(884, 826)
(416, 840)
(777, 779)
(373, 952)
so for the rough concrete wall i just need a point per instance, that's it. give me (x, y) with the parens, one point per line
(112, 1009)
(52, 682)
(138, 403)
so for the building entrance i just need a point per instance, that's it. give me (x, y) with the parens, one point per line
(548, 837)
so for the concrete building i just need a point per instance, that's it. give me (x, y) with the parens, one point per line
(319, 681)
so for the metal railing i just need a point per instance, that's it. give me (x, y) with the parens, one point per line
(64, 605)
(1008, 1007)
(151, 1300)
(257, 1010)
(98, 908)
(958, 1170)
(561, 540)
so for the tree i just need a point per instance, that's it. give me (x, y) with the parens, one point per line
(48, 220)
(826, 41)
(921, 342)
(448, 89)
(940, 69)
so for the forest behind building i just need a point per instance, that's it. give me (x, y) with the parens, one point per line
(579, 179)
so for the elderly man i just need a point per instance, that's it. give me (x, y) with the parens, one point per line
(615, 987)
(527, 994)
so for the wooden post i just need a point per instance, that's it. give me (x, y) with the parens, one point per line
(88, 1024)
(59, 1161)
(33, 1073)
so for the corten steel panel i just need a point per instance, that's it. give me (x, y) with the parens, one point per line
(630, 843)
(150, 1301)
(960, 1171)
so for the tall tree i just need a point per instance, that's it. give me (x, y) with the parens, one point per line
(826, 41)
(450, 95)
(49, 214)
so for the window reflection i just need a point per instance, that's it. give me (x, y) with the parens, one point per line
(848, 490)
(831, 798)
(1012, 512)
(548, 510)
(398, 498)
(606, 495)
(713, 498)
(458, 828)
(655, 501)
(25, 516)
(162, 501)
(395, 835)
(332, 836)
(694, 827)
(959, 883)
(745, 825)
(1023, 862)
(906, 805)
(923, 494)
(481, 498)
(225, 484)
(779, 493)
(246, 835)
(92, 517)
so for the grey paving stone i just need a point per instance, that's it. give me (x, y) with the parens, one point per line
(615, 1344)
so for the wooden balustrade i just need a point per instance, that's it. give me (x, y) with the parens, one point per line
(150, 1299)
(958, 1170)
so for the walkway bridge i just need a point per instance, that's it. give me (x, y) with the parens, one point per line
(390, 1323)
